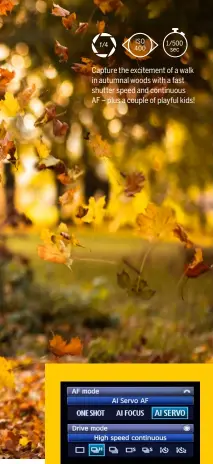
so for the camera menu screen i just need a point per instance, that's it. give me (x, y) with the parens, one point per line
(130, 420)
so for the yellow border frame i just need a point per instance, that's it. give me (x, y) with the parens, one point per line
(56, 373)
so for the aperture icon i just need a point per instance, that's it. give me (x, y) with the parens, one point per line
(104, 45)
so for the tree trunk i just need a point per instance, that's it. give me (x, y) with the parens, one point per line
(13, 217)
(9, 190)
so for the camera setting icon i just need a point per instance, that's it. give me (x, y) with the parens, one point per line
(175, 43)
(140, 45)
(104, 45)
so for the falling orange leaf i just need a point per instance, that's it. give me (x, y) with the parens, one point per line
(7, 150)
(81, 212)
(59, 347)
(59, 128)
(51, 254)
(69, 21)
(6, 76)
(67, 197)
(197, 267)
(70, 176)
(48, 115)
(82, 28)
(101, 26)
(134, 183)
(57, 247)
(25, 96)
(6, 6)
(86, 67)
(185, 58)
(61, 52)
(181, 234)
(100, 147)
(57, 10)
(7, 146)
(51, 163)
(65, 178)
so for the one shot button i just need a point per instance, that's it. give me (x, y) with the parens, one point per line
(170, 412)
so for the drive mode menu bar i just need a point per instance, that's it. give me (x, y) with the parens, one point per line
(109, 420)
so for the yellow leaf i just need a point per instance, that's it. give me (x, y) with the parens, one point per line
(42, 149)
(158, 222)
(46, 236)
(96, 211)
(6, 374)
(62, 228)
(198, 258)
(9, 106)
(114, 177)
(23, 441)
(75, 242)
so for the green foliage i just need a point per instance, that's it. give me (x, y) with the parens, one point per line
(102, 351)
(29, 308)
(136, 286)
(114, 327)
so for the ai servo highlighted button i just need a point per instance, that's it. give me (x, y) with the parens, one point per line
(170, 412)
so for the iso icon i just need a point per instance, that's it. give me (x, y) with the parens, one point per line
(104, 42)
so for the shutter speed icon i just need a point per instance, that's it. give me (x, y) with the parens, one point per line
(105, 41)
(140, 45)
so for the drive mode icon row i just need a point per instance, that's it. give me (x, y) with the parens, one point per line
(102, 450)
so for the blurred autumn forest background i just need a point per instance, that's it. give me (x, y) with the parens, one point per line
(131, 274)
(169, 149)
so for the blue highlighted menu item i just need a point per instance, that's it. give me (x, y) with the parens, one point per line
(170, 413)
(96, 449)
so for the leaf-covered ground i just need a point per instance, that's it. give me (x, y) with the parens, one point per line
(22, 412)
(175, 325)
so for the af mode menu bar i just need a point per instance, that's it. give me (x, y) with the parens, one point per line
(130, 420)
